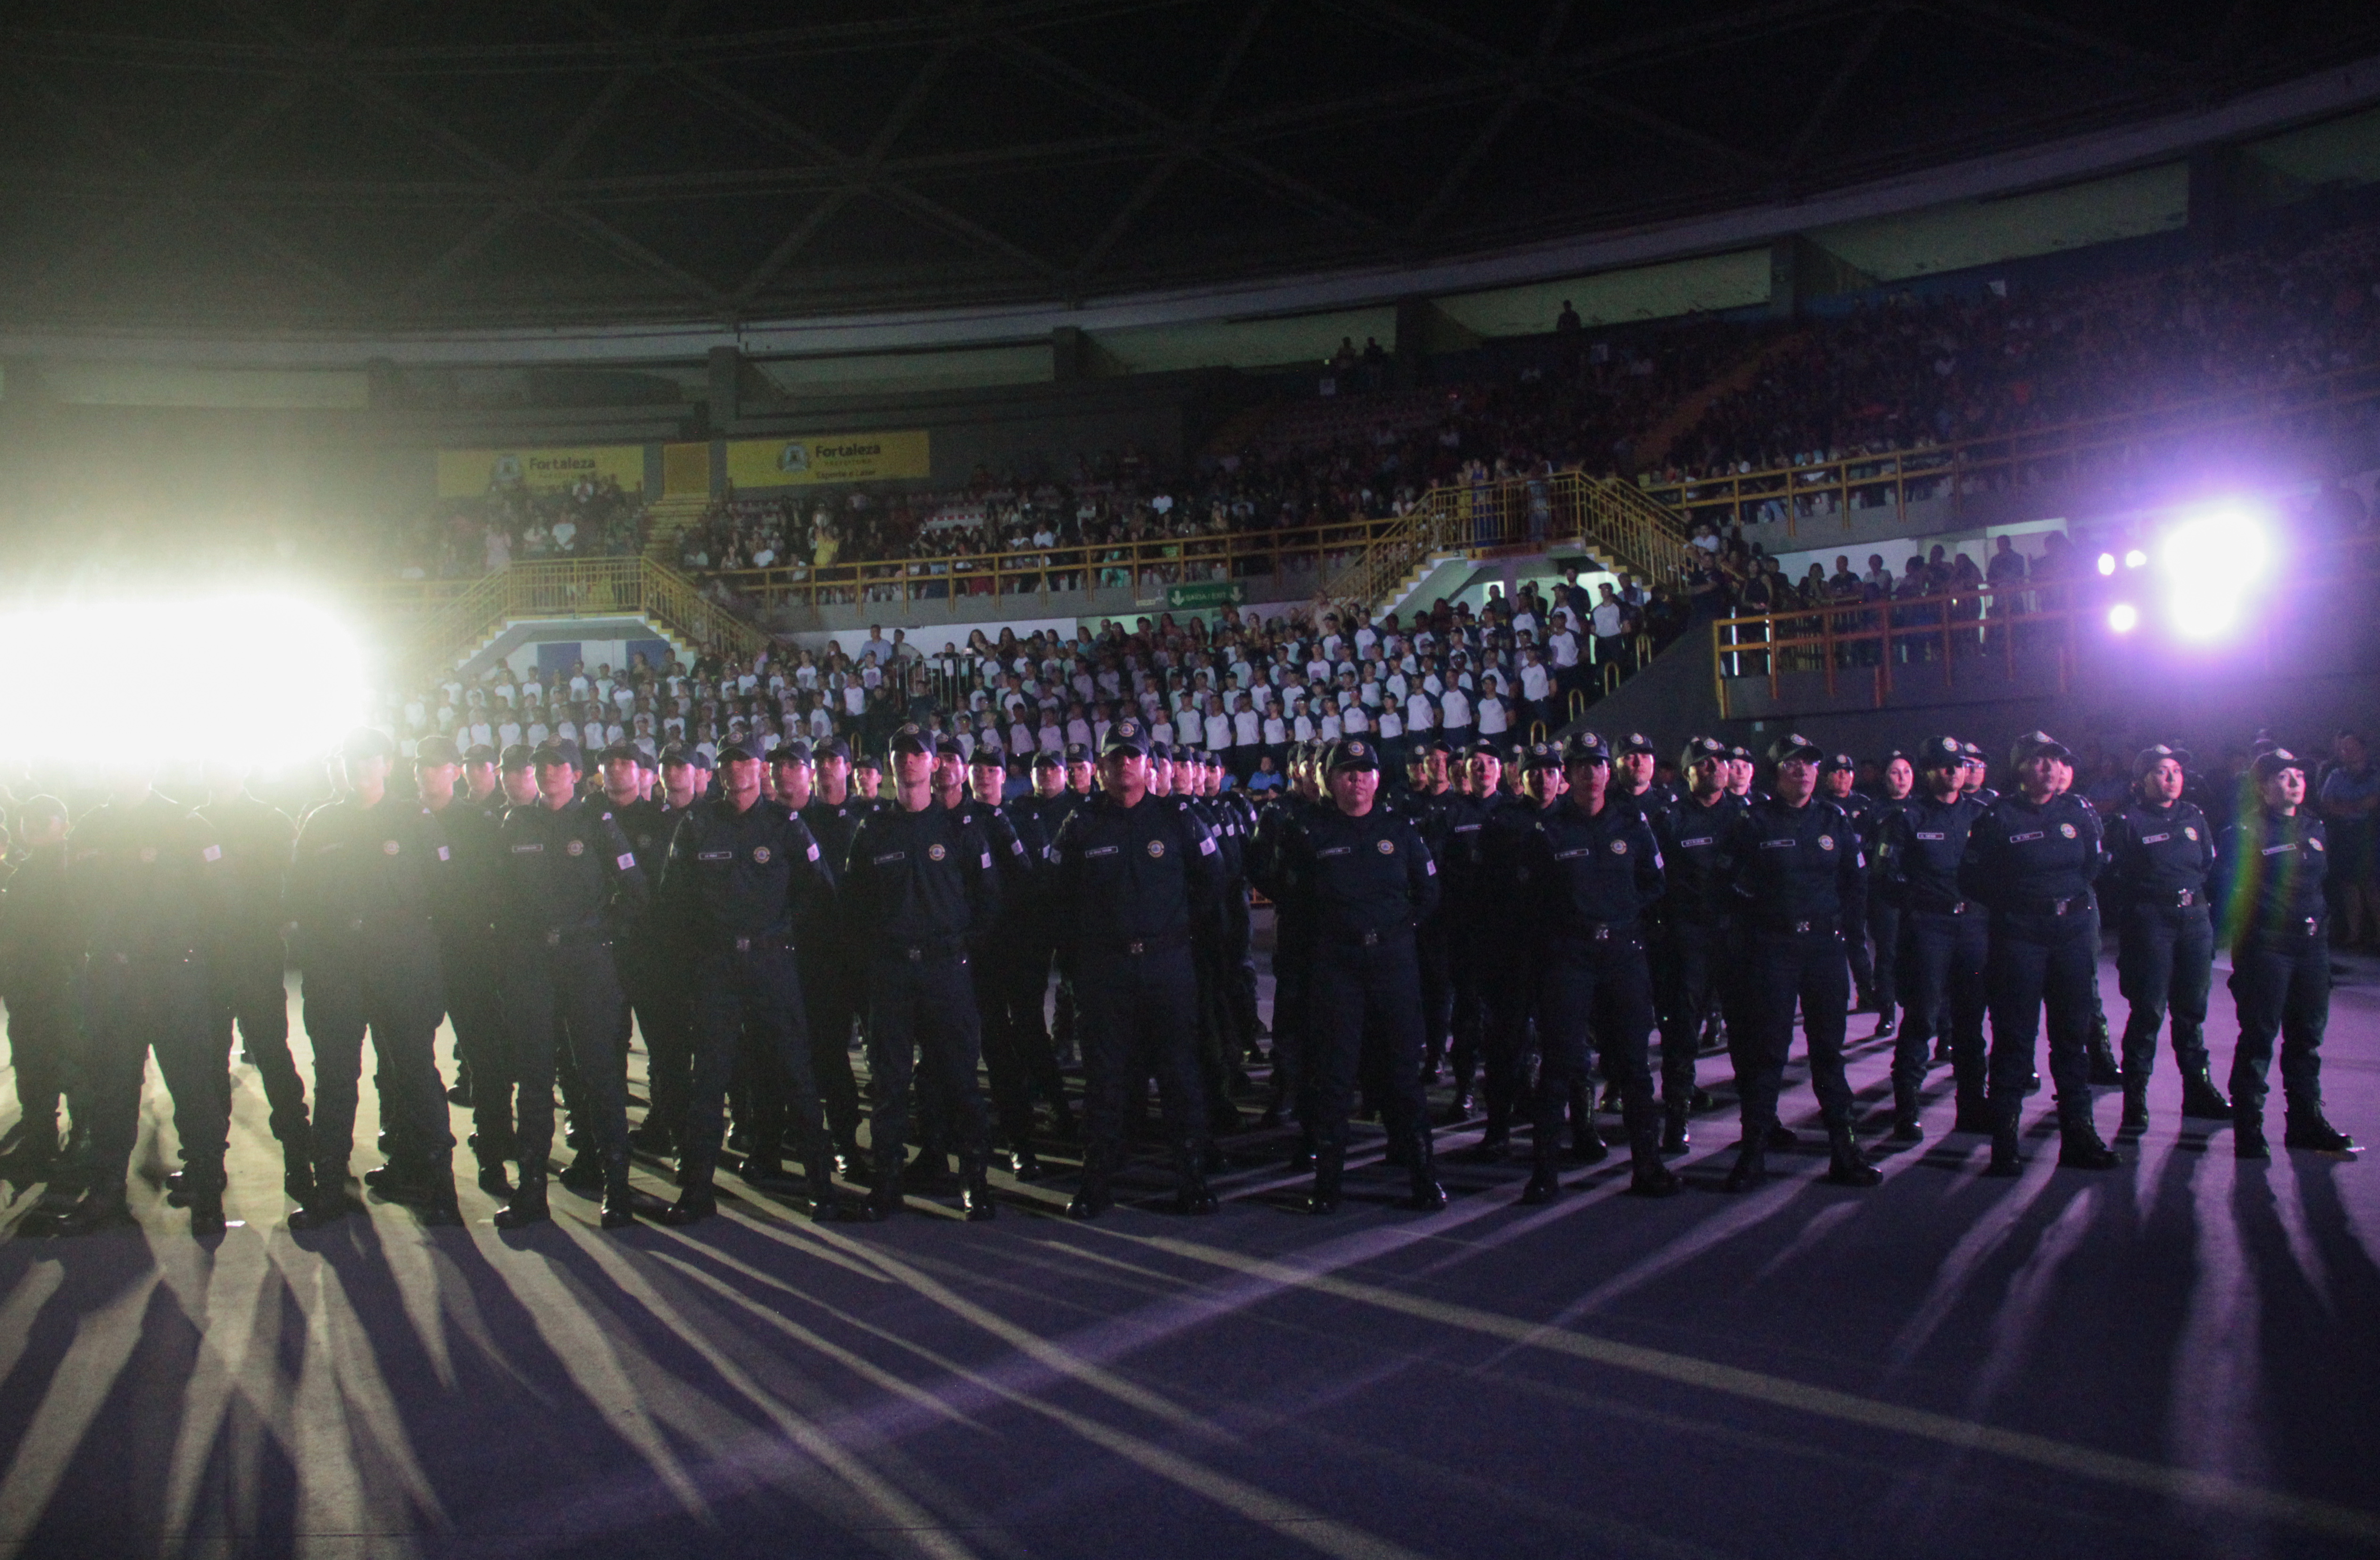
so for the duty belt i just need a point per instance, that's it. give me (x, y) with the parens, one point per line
(2183, 899)
(1374, 936)
(2072, 903)
(774, 942)
(1814, 923)
(1945, 907)
(922, 953)
(1134, 947)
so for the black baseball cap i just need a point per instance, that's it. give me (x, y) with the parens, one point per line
(478, 752)
(436, 749)
(1637, 742)
(989, 753)
(1046, 759)
(1585, 747)
(622, 750)
(1353, 753)
(949, 747)
(1973, 752)
(1795, 745)
(677, 752)
(560, 751)
(2034, 744)
(520, 755)
(2271, 761)
(910, 738)
(1126, 737)
(1941, 752)
(794, 751)
(1741, 754)
(1701, 748)
(1541, 755)
(2149, 758)
(1077, 752)
(1841, 764)
(832, 748)
(738, 752)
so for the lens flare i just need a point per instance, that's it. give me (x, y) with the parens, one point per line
(2123, 617)
(2208, 563)
(2107, 563)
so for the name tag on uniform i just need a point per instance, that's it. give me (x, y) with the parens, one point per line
(1778, 844)
(2154, 839)
(1334, 850)
(1573, 855)
(890, 856)
(715, 855)
(528, 849)
(1102, 850)
(2277, 849)
(2020, 839)
(1466, 828)
(1923, 834)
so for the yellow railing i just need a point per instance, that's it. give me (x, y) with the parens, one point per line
(455, 623)
(1844, 490)
(1609, 516)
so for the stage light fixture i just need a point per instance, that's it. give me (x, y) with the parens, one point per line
(2107, 563)
(269, 680)
(2208, 562)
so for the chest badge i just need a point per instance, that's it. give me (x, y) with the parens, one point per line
(2314, 842)
(575, 848)
(388, 847)
(1156, 849)
(2066, 829)
(760, 854)
(2190, 833)
(1619, 847)
(1388, 848)
(935, 853)
(1826, 842)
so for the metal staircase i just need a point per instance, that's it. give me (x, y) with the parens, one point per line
(462, 627)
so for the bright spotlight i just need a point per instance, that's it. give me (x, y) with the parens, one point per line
(2135, 558)
(2123, 617)
(2208, 563)
(267, 679)
(2107, 563)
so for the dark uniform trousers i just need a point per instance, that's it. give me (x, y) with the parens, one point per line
(1433, 945)
(2164, 961)
(2281, 982)
(1239, 941)
(1509, 1001)
(2042, 962)
(251, 992)
(42, 1049)
(1693, 963)
(834, 992)
(1366, 997)
(1135, 1011)
(551, 992)
(1467, 1017)
(1596, 986)
(468, 966)
(1941, 975)
(750, 998)
(1292, 1043)
(133, 1004)
(1782, 966)
(1009, 986)
(921, 1025)
(391, 987)
(1884, 931)
(657, 998)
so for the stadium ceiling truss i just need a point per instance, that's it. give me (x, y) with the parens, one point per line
(432, 165)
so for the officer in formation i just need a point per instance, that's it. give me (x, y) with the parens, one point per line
(753, 930)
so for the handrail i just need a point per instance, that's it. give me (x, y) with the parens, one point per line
(581, 587)
(1885, 479)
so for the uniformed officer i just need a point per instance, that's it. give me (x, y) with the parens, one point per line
(1633, 761)
(2160, 856)
(1006, 978)
(1131, 878)
(654, 981)
(1429, 803)
(1470, 918)
(1694, 928)
(143, 875)
(1795, 863)
(1900, 779)
(568, 880)
(2031, 858)
(1509, 985)
(740, 875)
(1919, 846)
(1282, 817)
(1052, 803)
(1365, 879)
(2279, 855)
(1837, 782)
(920, 893)
(833, 966)
(41, 950)
(247, 964)
(463, 916)
(368, 870)
(1589, 868)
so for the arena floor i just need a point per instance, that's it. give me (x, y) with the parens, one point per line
(2180, 1358)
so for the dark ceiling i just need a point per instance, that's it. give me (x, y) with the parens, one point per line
(430, 163)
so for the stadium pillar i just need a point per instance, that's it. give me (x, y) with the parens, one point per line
(1800, 271)
(1424, 330)
(726, 384)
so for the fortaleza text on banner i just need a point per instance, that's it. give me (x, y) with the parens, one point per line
(805, 459)
(465, 473)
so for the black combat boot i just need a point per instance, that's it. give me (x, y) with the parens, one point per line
(584, 1174)
(1905, 1125)
(619, 1200)
(698, 1198)
(1025, 1165)
(1675, 1136)
(1094, 1199)
(1885, 1023)
(528, 1205)
(1974, 1115)
(1458, 1110)
(2247, 1131)
(1647, 1177)
(1751, 1166)
(98, 1209)
(2305, 1127)
(1330, 1164)
(1427, 1196)
(1780, 1136)
(204, 1190)
(297, 1162)
(2200, 1101)
(2008, 1158)
(1846, 1166)
(2105, 1073)
(1191, 1193)
(330, 1202)
(2136, 1107)
(975, 1191)
(1545, 1183)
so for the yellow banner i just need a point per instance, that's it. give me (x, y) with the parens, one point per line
(465, 473)
(828, 457)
